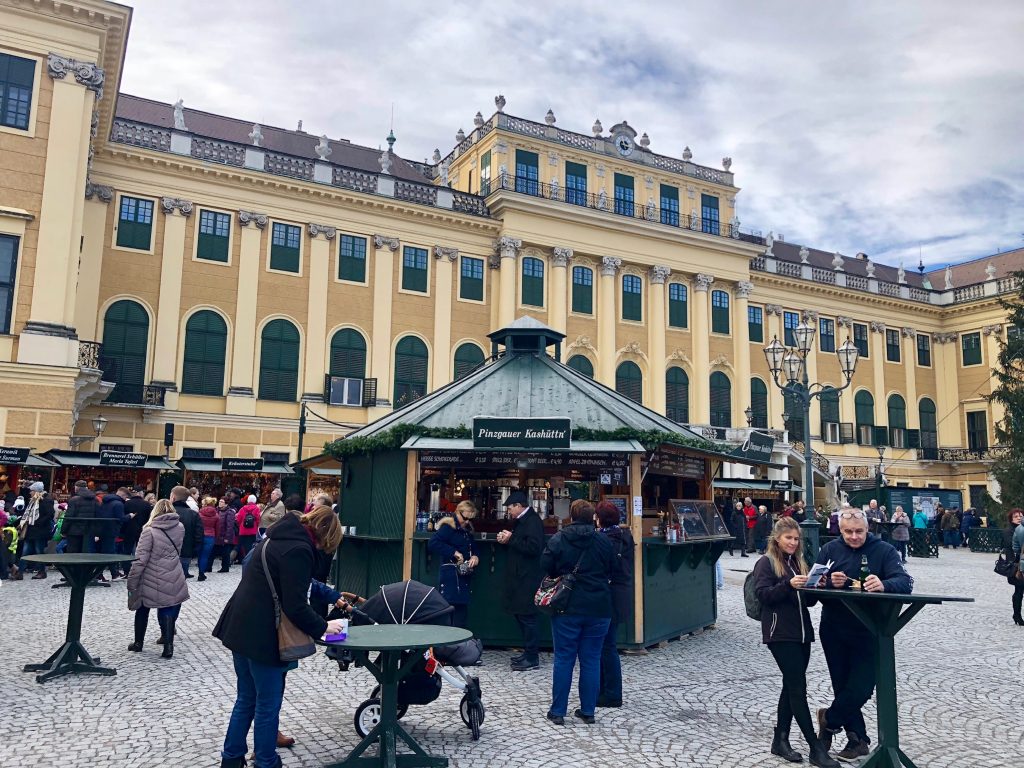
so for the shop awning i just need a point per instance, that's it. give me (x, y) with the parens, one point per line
(329, 471)
(89, 459)
(214, 465)
(39, 462)
(752, 485)
(423, 443)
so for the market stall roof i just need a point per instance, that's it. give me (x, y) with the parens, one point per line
(90, 459)
(424, 443)
(329, 471)
(319, 463)
(214, 465)
(752, 485)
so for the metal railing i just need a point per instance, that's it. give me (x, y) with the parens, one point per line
(89, 354)
(146, 395)
(971, 454)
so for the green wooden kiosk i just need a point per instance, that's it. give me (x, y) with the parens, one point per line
(524, 421)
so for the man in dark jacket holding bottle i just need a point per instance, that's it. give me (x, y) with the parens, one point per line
(848, 645)
(193, 541)
(525, 544)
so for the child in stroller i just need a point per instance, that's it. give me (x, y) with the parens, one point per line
(410, 602)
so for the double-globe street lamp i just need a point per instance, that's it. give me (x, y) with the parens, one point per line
(788, 366)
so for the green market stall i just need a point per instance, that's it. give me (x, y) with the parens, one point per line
(524, 421)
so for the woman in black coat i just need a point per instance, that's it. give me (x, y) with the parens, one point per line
(1016, 517)
(37, 527)
(621, 583)
(787, 631)
(248, 628)
(452, 542)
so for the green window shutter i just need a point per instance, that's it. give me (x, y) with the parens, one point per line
(17, 77)
(279, 362)
(669, 205)
(414, 269)
(632, 298)
(677, 395)
(582, 365)
(864, 410)
(629, 381)
(755, 324)
(719, 312)
(583, 290)
(881, 436)
(677, 298)
(623, 194)
(214, 235)
(892, 345)
(897, 409)
(758, 404)
(411, 361)
(827, 335)
(8, 273)
(471, 278)
(123, 352)
(533, 282)
(527, 172)
(709, 214)
(206, 343)
(348, 354)
(970, 344)
(792, 406)
(352, 258)
(924, 350)
(860, 339)
(135, 223)
(467, 358)
(284, 247)
(721, 400)
(575, 183)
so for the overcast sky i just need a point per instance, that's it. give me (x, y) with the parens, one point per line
(884, 127)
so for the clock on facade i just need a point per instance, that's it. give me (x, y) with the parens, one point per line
(624, 144)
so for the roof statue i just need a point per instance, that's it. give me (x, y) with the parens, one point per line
(949, 278)
(179, 115)
(256, 135)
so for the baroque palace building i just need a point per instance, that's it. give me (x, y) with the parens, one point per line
(161, 264)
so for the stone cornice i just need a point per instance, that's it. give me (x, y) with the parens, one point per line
(508, 247)
(703, 282)
(326, 230)
(442, 252)
(245, 218)
(185, 207)
(86, 73)
(744, 288)
(610, 265)
(385, 241)
(101, 192)
(659, 274)
(561, 257)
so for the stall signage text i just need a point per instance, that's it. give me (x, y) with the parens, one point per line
(521, 460)
(677, 465)
(119, 459)
(13, 455)
(781, 485)
(241, 465)
(521, 433)
(757, 446)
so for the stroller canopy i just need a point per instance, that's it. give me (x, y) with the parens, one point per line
(407, 602)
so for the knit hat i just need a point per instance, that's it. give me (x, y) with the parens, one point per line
(251, 499)
(37, 487)
(19, 503)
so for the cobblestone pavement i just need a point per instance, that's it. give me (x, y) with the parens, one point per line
(706, 700)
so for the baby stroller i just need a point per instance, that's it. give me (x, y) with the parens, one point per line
(410, 602)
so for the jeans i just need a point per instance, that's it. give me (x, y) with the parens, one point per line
(610, 689)
(576, 637)
(142, 619)
(33, 547)
(74, 544)
(528, 626)
(951, 538)
(792, 659)
(107, 546)
(205, 554)
(851, 666)
(257, 706)
(719, 574)
(245, 543)
(901, 547)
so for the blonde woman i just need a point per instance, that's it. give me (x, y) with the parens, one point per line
(452, 542)
(156, 579)
(787, 631)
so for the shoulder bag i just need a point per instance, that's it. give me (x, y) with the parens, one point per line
(292, 643)
(1004, 567)
(553, 594)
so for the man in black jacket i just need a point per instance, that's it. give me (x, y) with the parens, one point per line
(137, 511)
(78, 518)
(523, 574)
(193, 541)
(848, 645)
(111, 513)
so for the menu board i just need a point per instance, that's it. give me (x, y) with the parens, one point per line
(678, 465)
(622, 504)
(523, 460)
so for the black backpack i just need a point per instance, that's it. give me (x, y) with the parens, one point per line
(750, 602)
(249, 521)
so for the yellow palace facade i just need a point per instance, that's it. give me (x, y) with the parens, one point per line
(166, 265)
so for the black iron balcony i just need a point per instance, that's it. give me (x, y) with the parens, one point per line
(145, 395)
(971, 454)
(89, 354)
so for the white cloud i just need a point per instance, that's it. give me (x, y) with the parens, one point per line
(871, 126)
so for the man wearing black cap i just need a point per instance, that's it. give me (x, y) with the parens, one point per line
(523, 574)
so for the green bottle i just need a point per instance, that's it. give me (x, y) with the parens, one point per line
(864, 571)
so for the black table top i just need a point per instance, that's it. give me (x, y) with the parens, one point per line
(402, 637)
(81, 558)
(856, 594)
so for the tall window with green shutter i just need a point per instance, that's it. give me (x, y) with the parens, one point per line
(411, 359)
(414, 269)
(719, 312)
(790, 320)
(582, 365)
(758, 404)
(285, 240)
(677, 301)
(123, 351)
(214, 236)
(8, 273)
(575, 183)
(924, 350)
(527, 172)
(677, 395)
(348, 354)
(533, 282)
(929, 429)
(471, 278)
(623, 194)
(17, 76)
(629, 381)
(827, 335)
(860, 339)
(206, 344)
(583, 290)
(352, 258)
(970, 347)
(135, 223)
(864, 412)
(279, 361)
(755, 324)
(977, 431)
(670, 205)
(485, 173)
(709, 214)
(897, 412)
(721, 400)
(632, 298)
(467, 358)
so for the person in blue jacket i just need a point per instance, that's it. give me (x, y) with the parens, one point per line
(452, 542)
(848, 645)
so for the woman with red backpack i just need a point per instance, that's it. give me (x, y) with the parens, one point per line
(248, 519)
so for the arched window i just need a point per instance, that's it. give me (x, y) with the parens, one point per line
(897, 408)
(830, 429)
(677, 395)
(864, 408)
(279, 361)
(719, 312)
(123, 354)
(758, 404)
(581, 364)
(533, 282)
(348, 354)
(721, 400)
(206, 344)
(629, 381)
(929, 431)
(411, 360)
(467, 358)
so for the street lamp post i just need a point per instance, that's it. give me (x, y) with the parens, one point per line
(878, 475)
(791, 363)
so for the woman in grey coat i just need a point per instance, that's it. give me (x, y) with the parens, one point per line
(900, 531)
(156, 579)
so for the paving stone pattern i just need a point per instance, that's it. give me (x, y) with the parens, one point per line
(706, 700)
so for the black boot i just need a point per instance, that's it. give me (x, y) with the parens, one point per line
(1018, 620)
(819, 756)
(781, 747)
(168, 627)
(232, 762)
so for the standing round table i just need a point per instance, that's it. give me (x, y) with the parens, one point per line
(391, 641)
(883, 615)
(72, 658)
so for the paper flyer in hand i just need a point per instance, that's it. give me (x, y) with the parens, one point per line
(816, 576)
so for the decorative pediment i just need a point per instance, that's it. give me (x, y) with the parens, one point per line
(632, 349)
(582, 342)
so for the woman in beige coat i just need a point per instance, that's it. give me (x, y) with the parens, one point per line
(156, 579)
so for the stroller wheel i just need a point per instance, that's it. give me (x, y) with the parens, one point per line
(402, 708)
(367, 717)
(469, 708)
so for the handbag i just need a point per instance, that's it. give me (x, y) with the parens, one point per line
(1004, 567)
(292, 643)
(553, 594)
